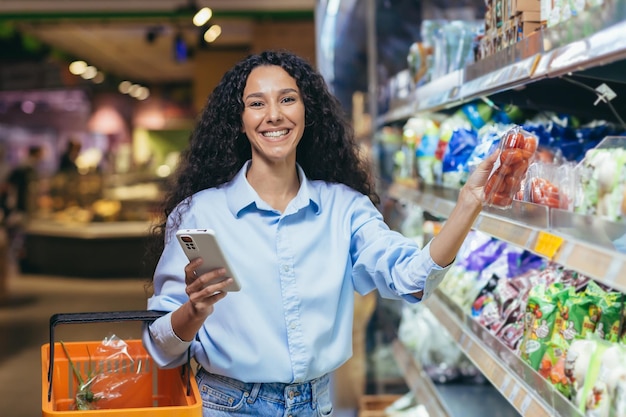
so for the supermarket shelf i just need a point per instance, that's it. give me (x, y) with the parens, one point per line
(509, 76)
(583, 243)
(399, 112)
(103, 230)
(419, 382)
(593, 38)
(527, 391)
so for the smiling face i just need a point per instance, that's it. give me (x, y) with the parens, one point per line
(273, 115)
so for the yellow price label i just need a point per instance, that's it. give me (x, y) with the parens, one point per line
(548, 244)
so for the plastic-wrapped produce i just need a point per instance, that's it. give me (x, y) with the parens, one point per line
(603, 180)
(596, 371)
(549, 184)
(440, 357)
(489, 137)
(538, 323)
(420, 57)
(426, 148)
(517, 149)
(454, 165)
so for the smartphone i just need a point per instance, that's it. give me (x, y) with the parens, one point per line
(202, 243)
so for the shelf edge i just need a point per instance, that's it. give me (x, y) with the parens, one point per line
(513, 387)
(418, 381)
(597, 262)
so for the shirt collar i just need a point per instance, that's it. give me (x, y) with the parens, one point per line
(240, 194)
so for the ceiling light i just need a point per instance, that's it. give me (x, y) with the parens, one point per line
(99, 78)
(212, 33)
(78, 67)
(132, 91)
(163, 171)
(202, 16)
(89, 73)
(142, 93)
(124, 87)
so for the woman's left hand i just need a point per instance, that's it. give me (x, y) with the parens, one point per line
(476, 182)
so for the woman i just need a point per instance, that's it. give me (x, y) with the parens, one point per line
(274, 169)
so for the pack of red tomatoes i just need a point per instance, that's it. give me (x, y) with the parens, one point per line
(517, 149)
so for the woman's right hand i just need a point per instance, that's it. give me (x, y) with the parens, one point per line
(204, 290)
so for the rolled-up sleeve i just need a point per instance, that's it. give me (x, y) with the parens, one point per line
(418, 273)
(163, 345)
(159, 339)
(386, 260)
(434, 275)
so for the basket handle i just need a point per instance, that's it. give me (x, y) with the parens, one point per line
(101, 317)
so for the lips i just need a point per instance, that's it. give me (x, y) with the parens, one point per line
(275, 133)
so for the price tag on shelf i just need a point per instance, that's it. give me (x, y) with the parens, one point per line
(505, 383)
(525, 404)
(548, 244)
(465, 342)
(462, 339)
(513, 394)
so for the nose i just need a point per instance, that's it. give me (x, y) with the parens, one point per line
(274, 113)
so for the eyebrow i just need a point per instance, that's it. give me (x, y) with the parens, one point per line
(281, 92)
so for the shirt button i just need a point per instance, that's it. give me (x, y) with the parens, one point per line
(286, 268)
(292, 326)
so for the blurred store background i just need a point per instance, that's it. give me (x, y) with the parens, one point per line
(124, 80)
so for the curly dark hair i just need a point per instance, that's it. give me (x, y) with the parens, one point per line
(218, 149)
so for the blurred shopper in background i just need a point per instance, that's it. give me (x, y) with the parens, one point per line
(5, 171)
(67, 164)
(21, 199)
(274, 169)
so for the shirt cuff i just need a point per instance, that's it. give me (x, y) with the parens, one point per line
(432, 272)
(164, 337)
(434, 279)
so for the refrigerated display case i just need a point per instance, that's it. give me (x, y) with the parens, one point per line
(94, 225)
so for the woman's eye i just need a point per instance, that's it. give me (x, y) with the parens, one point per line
(289, 99)
(255, 104)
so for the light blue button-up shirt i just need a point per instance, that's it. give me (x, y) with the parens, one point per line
(292, 319)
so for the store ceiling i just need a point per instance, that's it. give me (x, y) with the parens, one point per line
(134, 38)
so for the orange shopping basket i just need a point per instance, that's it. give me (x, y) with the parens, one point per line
(152, 391)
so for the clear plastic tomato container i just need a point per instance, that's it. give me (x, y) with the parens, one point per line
(517, 149)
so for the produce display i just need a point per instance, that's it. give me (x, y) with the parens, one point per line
(545, 158)
(566, 326)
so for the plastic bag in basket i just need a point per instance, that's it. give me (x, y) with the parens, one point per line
(101, 381)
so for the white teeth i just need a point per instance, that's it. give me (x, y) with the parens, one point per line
(275, 134)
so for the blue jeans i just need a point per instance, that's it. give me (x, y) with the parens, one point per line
(223, 396)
